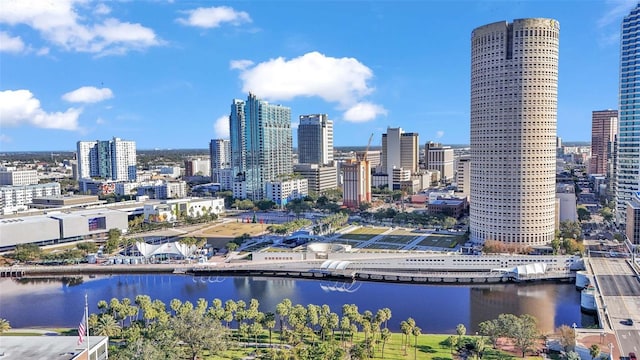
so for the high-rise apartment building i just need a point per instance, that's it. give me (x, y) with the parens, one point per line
(220, 153)
(399, 150)
(261, 144)
(514, 93)
(315, 139)
(604, 127)
(438, 157)
(108, 159)
(628, 141)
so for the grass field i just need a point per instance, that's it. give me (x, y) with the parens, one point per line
(233, 229)
(442, 240)
(363, 233)
(382, 246)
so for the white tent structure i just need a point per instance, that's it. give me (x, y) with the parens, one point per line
(172, 249)
(525, 271)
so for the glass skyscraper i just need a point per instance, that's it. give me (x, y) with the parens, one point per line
(261, 145)
(315, 139)
(628, 141)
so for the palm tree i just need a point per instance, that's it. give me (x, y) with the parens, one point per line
(283, 309)
(594, 351)
(460, 330)
(4, 325)
(416, 331)
(384, 336)
(269, 321)
(107, 326)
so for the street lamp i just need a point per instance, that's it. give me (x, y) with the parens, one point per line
(575, 335)
(601, 337)
(610, 351)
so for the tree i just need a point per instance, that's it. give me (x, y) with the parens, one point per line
(27, 252)
(583, 214)
(594, 351)
(4, 325)
(198, 332)
(570, 230)
(385, 335)
(416, 331)
(106, 325)
(283, 309)
(461, 330)
(231, 246)
(525, 332)
(490, 329)
(567, 337)
(572, 355)
(606, 213)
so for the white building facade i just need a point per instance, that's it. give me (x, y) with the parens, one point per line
(282, 192)
(111, 159)
(514, 93)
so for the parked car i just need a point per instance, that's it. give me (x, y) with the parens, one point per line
(632, 356)
(628, 322)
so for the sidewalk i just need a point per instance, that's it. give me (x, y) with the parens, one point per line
(588, 337)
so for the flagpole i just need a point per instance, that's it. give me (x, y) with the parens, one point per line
(86, 316)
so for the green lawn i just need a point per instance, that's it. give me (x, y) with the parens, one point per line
(363, 233)
(442, 240)
(398, 239)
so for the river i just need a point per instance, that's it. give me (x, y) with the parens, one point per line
(436, 308)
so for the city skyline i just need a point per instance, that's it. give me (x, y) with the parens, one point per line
(162, 73)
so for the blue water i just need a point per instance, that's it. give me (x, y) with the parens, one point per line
(436, 309)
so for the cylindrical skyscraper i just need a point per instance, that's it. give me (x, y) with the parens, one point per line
(514, 93)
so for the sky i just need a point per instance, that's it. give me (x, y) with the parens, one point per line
(164, 73)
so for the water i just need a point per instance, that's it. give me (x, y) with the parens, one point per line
(436, 308)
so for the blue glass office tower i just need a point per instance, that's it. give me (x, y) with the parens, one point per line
(261, 145)
(628, 142)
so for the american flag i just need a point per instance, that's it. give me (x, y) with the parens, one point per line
(82, 329)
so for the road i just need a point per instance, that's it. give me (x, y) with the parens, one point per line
(620, 288)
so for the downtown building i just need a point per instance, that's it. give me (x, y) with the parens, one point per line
(400, 150)
(627, 168)
(261, 145)
(604, 128)
(109, 159)
(440, 158)
(315, 153)
(356, 182)
(315, 139)
(220, 156)
(514, 92)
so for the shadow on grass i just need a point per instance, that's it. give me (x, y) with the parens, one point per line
(426, 349)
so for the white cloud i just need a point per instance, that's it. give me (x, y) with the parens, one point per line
(88, 94)
(364, 111)
(439, 134)
(221, 127)
(343, 81)
(61, 23)
(19, 107)
(100, 121)
(240, 64)
(10, 44)
(102, 9)
(213, 17)
(5, 138)
(617, 9)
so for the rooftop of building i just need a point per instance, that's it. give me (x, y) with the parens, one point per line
(44, 347)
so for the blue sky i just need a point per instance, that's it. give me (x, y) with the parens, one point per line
(164, 73)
